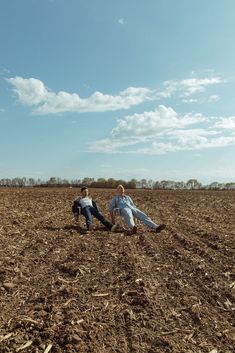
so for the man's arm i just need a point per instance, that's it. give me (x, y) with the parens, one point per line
(131, 201)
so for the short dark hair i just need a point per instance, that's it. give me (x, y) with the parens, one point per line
(83, 188)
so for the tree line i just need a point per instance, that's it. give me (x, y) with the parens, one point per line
(191, 184)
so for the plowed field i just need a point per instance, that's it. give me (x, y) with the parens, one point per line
(66, 290)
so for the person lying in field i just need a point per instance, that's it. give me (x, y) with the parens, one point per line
(129, 211)
(88, 208)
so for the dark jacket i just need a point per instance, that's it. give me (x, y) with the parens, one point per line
(77, 208)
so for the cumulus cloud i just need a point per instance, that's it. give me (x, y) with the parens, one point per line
(164, 130)
(32, 92)
(29, 91)
(154, 122)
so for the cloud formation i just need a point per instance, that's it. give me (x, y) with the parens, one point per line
(226, 123)
(188, 87)
(157, 131)
(164, 130)
(154, 122)
(32, 92)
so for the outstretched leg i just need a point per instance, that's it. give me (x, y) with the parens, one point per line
(144, 218)
(101, 218)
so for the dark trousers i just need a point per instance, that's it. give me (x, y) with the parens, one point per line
(90, 211)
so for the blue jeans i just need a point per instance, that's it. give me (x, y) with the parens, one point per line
(129, 213)
(90, 211)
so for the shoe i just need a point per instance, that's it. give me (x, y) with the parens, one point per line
(134, 230)
(160, 228)
(114, 227)
(90, 227)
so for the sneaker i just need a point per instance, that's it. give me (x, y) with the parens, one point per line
(134, 230)
(90, 227)
(114, 227)
(160, 228)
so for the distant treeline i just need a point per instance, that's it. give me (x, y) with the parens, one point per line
(191, 184)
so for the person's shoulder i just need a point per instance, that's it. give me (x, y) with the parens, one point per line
(129, 198)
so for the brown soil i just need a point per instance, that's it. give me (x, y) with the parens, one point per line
(65, 290)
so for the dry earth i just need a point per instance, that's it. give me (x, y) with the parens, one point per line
(65, 290)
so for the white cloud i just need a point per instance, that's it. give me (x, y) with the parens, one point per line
(226, 123)
(154, 122)
(191, 133)
(191, 138)
(194, 85)
(194, 143)
(29, 91)
(142, 128)
(163, 131)
(202, 99)
(188, 87)
(34, 93)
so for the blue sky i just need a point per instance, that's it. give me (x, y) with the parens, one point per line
(123, 89)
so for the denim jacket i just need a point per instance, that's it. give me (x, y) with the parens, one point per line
(121, 202)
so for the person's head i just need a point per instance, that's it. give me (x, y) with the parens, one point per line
(84, 191)
(120, 190)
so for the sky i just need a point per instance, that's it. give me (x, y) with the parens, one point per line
(117, 89)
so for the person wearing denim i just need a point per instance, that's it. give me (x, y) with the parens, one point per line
(129, 211)
(88, 209)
